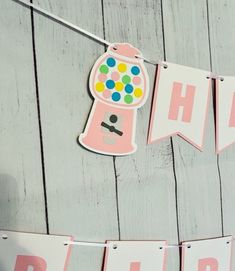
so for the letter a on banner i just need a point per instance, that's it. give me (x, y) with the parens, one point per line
(36, 252)
(180, 104)
(207, 255)
(225, 112)
(135, 256)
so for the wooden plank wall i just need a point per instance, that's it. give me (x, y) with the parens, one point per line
(222, 42)
(50, 184)
(21, 186)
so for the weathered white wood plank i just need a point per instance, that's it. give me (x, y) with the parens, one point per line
(145, 180)
(80, 184)
(222, 23)
(21, 185)
(198, 184)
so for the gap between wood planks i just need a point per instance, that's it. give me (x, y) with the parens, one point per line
(39, 118)
(213, 94)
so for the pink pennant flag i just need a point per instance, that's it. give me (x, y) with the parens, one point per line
(135, 256)
(207, 255)
(26, 251)
(180, 105)
(225, 112)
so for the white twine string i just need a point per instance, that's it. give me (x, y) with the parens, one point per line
(103, 245)
(114, 246)
(97, 38)
(79, 29)
(63, 21)
(101, 40)
(87, 244)
(4, 236)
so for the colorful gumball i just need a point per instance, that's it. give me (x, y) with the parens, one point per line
(119, 83)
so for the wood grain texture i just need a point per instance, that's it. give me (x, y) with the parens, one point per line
(21, 186)
(80, 184)
(222, 23)
(198, 183)
(164, 191)
(145, 180)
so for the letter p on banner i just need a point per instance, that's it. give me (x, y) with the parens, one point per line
(35, 252)
(180, 105)
(135, 256)
(207, 255)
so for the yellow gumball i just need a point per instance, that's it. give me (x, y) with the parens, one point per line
(119, 86)
(122, 67)
(99, 86)
(138, 92)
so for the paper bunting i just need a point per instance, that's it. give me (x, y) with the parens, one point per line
(119, 83)
(135, 256)
(24, 251)
(180, 104)
(225, 112)
(205, 255)
(38, 252)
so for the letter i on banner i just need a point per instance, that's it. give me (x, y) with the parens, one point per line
(36, 252)
(135, 256)
(180, 105)
(207, 255)
(225, 112)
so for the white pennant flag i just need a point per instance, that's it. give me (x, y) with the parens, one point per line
(225, 112)
(135, 256)
(180, 105)
(36, 252)
(207, 255)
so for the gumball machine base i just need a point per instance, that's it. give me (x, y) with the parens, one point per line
(110, 130)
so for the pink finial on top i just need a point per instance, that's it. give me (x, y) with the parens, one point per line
(125, 49)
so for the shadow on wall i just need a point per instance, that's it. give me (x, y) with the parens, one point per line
(9, 207)
(9, 202)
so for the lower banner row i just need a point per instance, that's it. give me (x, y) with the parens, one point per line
(37, 252)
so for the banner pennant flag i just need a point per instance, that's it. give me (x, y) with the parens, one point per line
(26, 251)
(135, 256)
(225, 112)
(211, 254)
(180, 105)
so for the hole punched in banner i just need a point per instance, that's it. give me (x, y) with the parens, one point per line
(4, 236)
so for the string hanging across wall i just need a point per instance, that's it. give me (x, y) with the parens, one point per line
(119, 84)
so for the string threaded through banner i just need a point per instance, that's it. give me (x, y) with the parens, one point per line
(79, 29)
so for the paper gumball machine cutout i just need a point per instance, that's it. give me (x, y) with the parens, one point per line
(119, 84)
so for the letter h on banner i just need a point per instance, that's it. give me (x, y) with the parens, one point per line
(180, 90)
(178, 100)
